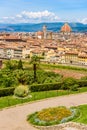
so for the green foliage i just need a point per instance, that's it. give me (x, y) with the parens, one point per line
(65, 67)
(45, 87)
(84, 78)
(66, 84)
(6, 91)
(21, 91)
(69, 83)
(48, 77)
(35, 60)
(46, 80)
(10, 100)
(74, 87)
(20, 64)
(11, 65)
(83, 114)
(82, 83)
(13, 75)
(21, 76)
(7, 78)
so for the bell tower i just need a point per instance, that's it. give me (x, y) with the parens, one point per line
(45, 31)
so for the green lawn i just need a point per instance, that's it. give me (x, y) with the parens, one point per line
(83, 114)
(61, 66)
(10, 100)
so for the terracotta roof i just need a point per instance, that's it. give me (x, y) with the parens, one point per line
(39, 33)
(72, 53)
(66, 28)
(82, 56)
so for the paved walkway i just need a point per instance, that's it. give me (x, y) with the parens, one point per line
(15, 118)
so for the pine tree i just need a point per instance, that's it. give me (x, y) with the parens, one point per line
(20, 64)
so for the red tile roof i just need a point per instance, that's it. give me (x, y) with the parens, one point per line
(66, 28)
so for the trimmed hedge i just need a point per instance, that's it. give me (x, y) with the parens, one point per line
(68, 83)
(57, 86)
(7, 91)
(82, 83)
(45, 87)
(42, 87)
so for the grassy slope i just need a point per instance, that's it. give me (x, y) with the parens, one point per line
(83, 114)
(67, 67)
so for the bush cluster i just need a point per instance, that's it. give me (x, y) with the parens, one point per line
(70, 84)
(7, 78)
(7, 91)
(14, 74)
(21, 91)
(11, 78)
(82, 83)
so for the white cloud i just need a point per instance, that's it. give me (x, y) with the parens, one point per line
(5, 17)
(36, 15)
(25, 16)
(84, 21)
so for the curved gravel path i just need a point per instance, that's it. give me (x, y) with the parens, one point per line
(15, 118)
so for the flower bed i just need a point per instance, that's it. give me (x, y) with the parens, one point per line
(52, 116)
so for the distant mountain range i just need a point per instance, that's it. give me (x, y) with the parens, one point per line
(54, 27)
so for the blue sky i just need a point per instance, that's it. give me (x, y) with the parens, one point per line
(16, 11)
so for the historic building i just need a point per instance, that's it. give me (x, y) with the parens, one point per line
(65, 31)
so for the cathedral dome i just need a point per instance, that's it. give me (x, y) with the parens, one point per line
(66, 28)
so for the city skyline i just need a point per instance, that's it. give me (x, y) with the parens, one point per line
(36, 11)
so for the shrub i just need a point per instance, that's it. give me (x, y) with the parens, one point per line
(20, 64)
(9, 81)
(45, 87)
(47, 77)
(21, 91)
(21, 76)
(82, 83)
(74, 87)
(7, 91)
(7, 78)
(68, 83)
(12, 65)
(12, 77)
(84, 78)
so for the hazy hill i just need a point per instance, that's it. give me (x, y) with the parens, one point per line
(55, 27)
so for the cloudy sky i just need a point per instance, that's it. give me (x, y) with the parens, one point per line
(34, 11)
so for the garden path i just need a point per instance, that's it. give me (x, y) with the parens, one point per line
(14, 118)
